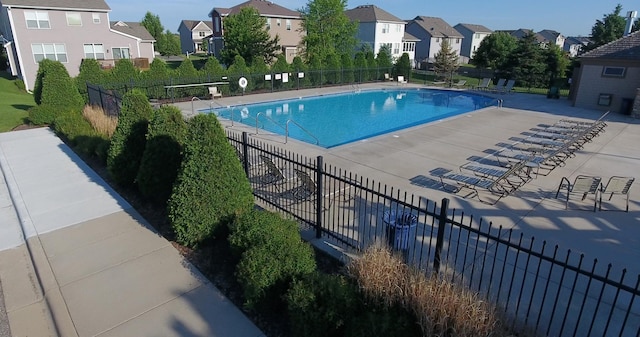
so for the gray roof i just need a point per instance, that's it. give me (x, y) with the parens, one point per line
(65, 4)
(191, 24)
(624, 48)
(264, 7)
(436, 27)
(475, 28)
(371, 13)
(409, 37)
(132, 28)
(549, 35)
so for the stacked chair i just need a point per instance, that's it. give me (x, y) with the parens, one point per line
(509, 168)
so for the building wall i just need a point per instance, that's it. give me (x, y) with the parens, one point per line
(73, 38)
(393, 36)
(424, 45)
(186, 39)
(367, 34)
(592, 84)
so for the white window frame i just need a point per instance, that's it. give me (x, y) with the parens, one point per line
(288, 24)
(74, 19)
(113, 52)
(39, 18)
(608, 71)
(396, 49)
(385, 28)
(97, 49)
(202, 34)
(398, 28)
(268, 23)
(95, 17)
(55, 52)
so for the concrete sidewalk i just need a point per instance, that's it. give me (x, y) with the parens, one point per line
(77, 260)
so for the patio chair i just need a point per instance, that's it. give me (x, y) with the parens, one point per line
(273, 175)
(387, 77)
(496, 185)
(459, 84)
(617, 185)
(484, 85)
(500, 85)
(401, 80)
(307, 191)
(507, 87)
(213, 91)
(582, 186)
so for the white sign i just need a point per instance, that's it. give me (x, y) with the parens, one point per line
(285, 77)
(300, 75)
(267, 77)
(242, 82)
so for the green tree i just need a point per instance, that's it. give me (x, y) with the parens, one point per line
(152, 23)
(281, 66)
(211, 186)
(556, 61)
(403, 66)
(170, 44)
(360, 65)
(333, 70)
(610, 28)
(384, 60)
(90, 72)
(157, 77)
(494, 50)
(238, 69)
(328, 30)
(298, 66)
(245, 34)
(347, 68)
(124, 72)
(129, 139)
(186, 70)
(372, 65)
(527, 63)
(446, 61)
(213, 69)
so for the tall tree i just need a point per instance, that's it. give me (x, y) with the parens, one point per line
(610, 28)
(494, 50)
(384, 58)
(245, 34)
(556, 61)
(152, 24)
(166, 42)
(526, 63)
(446, 61)
(327, 29)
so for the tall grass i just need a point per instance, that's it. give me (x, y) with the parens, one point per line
(103, 124)
(441, 307)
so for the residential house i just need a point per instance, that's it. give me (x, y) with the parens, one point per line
(608, 77)
(67, 31)
(432, 32)
(552, 37)
(193, 35)
(279, 21)
(473, 36)
(573, 44)
(377, 28)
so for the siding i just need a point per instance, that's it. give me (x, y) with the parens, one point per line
(592, 84)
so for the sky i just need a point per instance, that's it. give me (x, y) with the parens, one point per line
(569, 17)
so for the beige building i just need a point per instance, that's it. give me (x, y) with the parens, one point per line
(279, 21)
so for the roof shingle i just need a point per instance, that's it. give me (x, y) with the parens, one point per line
(66, 4)
(624, 48)
(264, 7)
(370, 13)
(436, 27)
(133, 29)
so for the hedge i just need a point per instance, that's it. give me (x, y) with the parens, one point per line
(256, 227)
(59, 90)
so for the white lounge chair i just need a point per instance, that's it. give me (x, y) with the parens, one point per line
(617, 185)
(582, 186)
(213, 91)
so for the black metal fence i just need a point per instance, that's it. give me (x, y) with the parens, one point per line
(109, 100)
(542, 289)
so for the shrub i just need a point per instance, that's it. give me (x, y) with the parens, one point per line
(103, 124)
(236, 70)
(129, 138)
(58, 89)
(256, 227)
(42, 114)
(211, 186)
(72, 126)
(90, 72)
(162, 154)
(43, 67)
(347, 68)
(124, 72)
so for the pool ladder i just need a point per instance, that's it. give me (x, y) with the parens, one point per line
(286, 127)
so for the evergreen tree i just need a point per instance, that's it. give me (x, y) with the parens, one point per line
(90, 72)
(347, 68)
(281, 66)
(360, 67)
(556, 61)
(526, 63)
(403, 66)
(384, 60)
(333, 70)
(610, 28)
(446, 61)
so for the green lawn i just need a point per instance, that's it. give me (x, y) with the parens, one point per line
(14, 103)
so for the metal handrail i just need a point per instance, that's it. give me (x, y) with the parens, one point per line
(269, 118)
(286, 135)
(192, 100)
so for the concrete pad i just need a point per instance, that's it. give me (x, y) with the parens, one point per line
(32, 320)
(19, 280)
(200, 312)
(117, 294)
(10, 230)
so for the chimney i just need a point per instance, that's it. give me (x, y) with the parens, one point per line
(631, 16)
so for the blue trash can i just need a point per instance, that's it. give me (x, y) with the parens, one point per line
(398, 228)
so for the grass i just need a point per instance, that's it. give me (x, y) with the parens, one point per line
(14, 103)
(103, 124)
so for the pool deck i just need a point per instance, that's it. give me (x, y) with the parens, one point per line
(408, 160)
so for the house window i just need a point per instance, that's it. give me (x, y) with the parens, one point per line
(202, 34)
(437, 39)
(288, 23)
(278, 22)
(121, 53)
(408, 47)
(398, 28)
(74, 19)
(457, 41)
(385, 28)
(51, 51)
(268, 23)
(96, 18)
(37, 20)
(94, 51)
(477, 36)
(396, 48)
(614, 71)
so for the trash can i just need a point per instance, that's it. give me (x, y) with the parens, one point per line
(398, 228)
(626, 106)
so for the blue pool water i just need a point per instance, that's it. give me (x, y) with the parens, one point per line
(333, 120)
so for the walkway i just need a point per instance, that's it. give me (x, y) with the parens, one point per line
(77, 260)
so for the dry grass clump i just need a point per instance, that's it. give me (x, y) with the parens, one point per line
(441, 308)
(103, 124)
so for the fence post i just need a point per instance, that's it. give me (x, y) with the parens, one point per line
(319, 193)
(442, 223)
(245, 154)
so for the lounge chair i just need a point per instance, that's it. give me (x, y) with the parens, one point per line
(459, 84)
(484, 85)
(387, 77)
(617, 185)
(401, 80)
(507, 87)
(213, 91)
(582, 186)
(308, 191)
(474, 183)
(500, 85)
(273, 175)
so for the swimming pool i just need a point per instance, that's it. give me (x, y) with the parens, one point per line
(332, 120)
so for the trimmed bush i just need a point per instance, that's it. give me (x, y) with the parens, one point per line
(59, 90)
(42, 114)
(124, 72)
(211, 186)
(90, 72)
(43, 67)
(162, 154)
(79, 133)
(256, 227)
(129, 139)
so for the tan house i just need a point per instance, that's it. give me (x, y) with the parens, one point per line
(280, 21)
(193, 35)
(608, 77)
(432, 32)
(67, 31)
